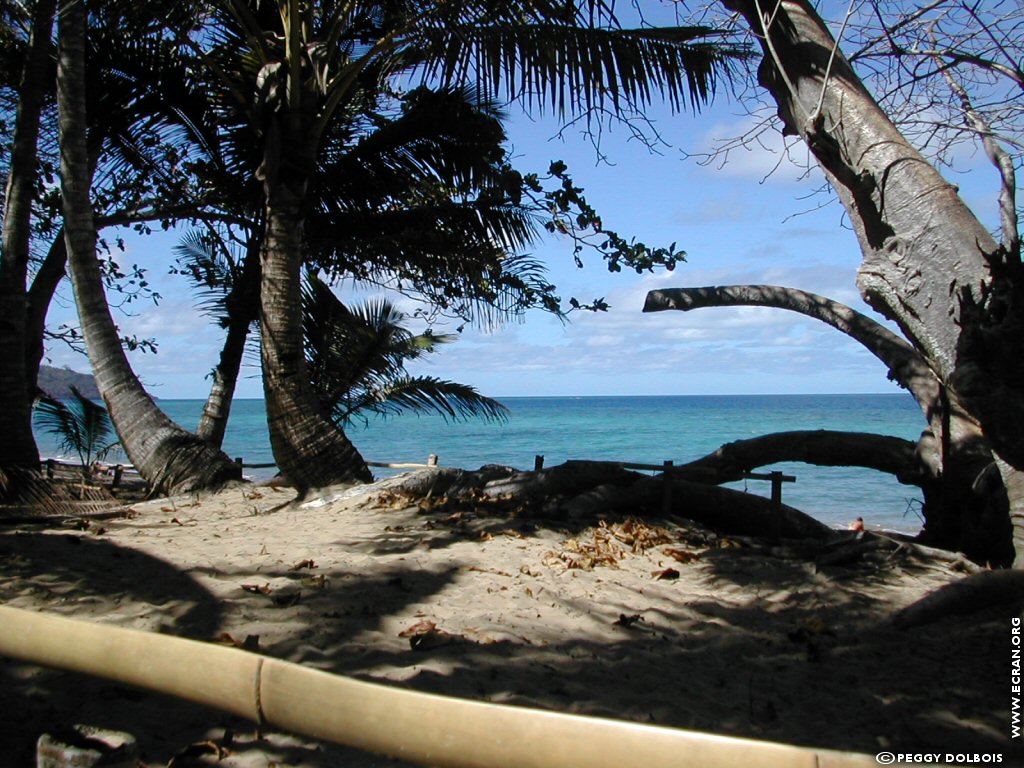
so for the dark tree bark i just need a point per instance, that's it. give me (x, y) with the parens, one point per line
(310, 450)
(165, 455)
(961, 512)
(18, 448)
(214, 421)
(40, 294)
(906, 365)
(928, 263)
(821, 447)
(242, 311)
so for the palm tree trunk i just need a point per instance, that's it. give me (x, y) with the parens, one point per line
(168, 457)
(309, 449)
(44, 285)
(18, 448)
(214, 421)
(242, 311)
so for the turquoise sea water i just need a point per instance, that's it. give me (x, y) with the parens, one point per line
(633, 429)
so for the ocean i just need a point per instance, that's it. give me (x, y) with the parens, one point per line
(630, 429)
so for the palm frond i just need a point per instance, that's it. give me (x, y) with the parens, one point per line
(211, 269)
(82, 425)
(356, 360)
(571, 68)
(427, 394)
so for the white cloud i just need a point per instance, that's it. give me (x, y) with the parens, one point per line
(754, 148)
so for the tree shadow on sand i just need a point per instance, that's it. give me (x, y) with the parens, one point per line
(794, 655)
(797, 670)
(103, 582)
(131, 588)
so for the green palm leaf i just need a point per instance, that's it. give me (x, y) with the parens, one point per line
(427, 394)
(83, 426)
(574, 69)
(356, 360)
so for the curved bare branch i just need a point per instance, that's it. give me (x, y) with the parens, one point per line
(906, 365)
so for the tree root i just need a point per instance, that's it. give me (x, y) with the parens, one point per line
(972, 593)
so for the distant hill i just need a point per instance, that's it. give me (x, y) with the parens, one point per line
(57, 382)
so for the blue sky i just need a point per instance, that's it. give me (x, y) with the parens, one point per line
(736, 226)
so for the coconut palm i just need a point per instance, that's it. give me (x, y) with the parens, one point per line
(167, 456)
(356, 359)
(295, 69)
(423, 197)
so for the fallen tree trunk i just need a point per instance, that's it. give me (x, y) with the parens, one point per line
(729, 511)
(585, 488)
(884, 548)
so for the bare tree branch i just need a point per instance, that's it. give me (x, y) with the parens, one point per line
(906, 365)
(1004, 164)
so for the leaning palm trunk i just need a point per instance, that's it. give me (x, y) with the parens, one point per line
(242, 307)
(168, 457)
(213, 423)
(309, 449)
(928, 264)
(18, 448)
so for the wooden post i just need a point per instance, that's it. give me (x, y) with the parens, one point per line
(118, 471)
(50, 468)
(432, 460)
(538, 463)
(666, 498)
(238, 461)
(776, 504)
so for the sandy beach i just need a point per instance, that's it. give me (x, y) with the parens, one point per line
(654, 620)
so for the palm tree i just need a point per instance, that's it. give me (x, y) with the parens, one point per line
(356, 359)
(164, 454)
(18, 448)
(295, 69)
(226, 281)
(82, 425)
(424, 198)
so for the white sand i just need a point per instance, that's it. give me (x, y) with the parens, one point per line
(739, 643)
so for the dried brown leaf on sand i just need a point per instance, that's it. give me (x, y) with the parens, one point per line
(607, 544)
(304, 564)
(681, 555)
(424, 635)
(638, 535)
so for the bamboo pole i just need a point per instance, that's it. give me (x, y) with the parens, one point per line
(421, 728)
